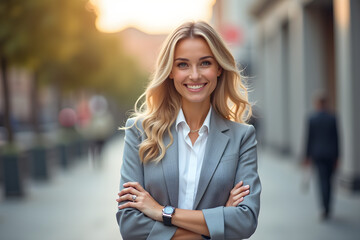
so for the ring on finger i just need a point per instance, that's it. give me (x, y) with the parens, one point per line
(133, 197)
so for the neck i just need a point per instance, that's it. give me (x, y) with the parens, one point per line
(195, 114)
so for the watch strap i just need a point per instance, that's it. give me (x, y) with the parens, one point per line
(167, 220)
(167, 217)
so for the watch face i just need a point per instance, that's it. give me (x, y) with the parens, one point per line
(168, 210)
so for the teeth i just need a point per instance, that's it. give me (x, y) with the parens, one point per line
(195, 86)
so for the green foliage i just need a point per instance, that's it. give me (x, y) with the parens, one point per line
(58, 40)
(9, 149)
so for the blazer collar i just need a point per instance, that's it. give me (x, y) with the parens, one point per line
(170, 165)
(215, 147)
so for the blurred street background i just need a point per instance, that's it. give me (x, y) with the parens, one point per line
(80, 204)
(71, 70)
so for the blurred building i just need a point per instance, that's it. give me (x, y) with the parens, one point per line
(142, 46)
(19, 85)
(22, 104)
(231, 19)
(303, 46)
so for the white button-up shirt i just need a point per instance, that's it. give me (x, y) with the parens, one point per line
(190, 159)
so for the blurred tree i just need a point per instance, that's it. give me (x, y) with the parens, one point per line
(59, 43)
(8, 16)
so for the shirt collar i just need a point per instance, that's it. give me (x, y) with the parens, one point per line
(181, 120)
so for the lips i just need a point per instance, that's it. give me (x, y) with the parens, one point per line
(195, 86)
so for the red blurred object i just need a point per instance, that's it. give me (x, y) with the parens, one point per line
(83, 113)
(67, 117)
(232, 34)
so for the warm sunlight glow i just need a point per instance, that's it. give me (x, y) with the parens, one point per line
(151, 16)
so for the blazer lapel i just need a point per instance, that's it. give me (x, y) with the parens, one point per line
(170, 166)
(215, 147)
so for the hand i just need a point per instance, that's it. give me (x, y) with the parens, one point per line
(144, 202)
(237, 194)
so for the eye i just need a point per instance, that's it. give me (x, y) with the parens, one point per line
(205, 63)
(182, 65)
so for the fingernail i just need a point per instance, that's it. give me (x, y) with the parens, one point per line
(247, 186)
(242, 198)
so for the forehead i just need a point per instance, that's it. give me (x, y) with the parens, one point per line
(192, 46)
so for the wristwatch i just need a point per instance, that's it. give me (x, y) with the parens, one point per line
(167, 213)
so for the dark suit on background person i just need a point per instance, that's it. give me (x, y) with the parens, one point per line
(323, 150)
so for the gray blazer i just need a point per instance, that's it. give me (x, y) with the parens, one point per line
(230, 157)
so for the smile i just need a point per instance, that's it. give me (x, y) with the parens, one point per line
(195, 87)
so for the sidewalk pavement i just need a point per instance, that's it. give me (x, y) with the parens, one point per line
(76, 204)
(290, 213)
(80, 204)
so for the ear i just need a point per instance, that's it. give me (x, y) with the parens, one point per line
(219, 71)
(171, 76)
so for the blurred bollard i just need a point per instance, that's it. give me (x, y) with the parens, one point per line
(78, 148)
(64, 154)
(67, 136)
(12, 176)
(40, 163)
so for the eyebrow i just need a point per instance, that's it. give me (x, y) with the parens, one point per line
(185, 59)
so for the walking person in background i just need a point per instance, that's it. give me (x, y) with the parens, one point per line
(188, 151)
(323, 150)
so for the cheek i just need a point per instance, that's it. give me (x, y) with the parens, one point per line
(211, 73)
(179, 75)
(178, 78)
(177, 84)
(212, 77)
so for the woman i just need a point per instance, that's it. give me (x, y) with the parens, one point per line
(188, 146)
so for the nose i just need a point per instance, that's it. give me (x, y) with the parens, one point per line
(195, 74)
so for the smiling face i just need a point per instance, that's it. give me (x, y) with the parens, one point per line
(195, 71)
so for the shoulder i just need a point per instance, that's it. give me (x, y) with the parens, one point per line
(241, 127)
(242, 136)
(224, 124)
(134, 122)
(133, 127)
(240, 130)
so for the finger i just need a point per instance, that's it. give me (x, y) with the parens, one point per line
(239, 190)
(127, 205)
(126, 197)
(129, 190)
(135, 185)
(240, 195)
(237, 202)
(243, 188)
(237, 186)
(243, 194)
(235, 192)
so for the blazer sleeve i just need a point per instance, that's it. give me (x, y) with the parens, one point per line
(133, 223)
(239, 222)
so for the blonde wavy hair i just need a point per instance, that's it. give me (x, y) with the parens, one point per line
(162, 102)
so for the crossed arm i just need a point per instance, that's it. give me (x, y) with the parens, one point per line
(142, 219)
(191, 223)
